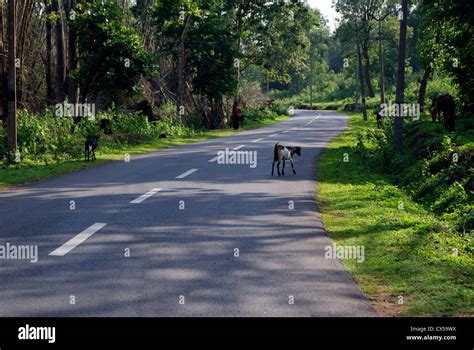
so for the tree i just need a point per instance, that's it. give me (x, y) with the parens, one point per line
(212, 54)
(172, 22)
(398, 127)
(60, 54)
(3, 69)
(448, 47)
(111, 56)
(12, 132)
(73, 53)
(49, 54)
(361, 13)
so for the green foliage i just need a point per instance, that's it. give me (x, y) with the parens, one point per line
(436, 171)
(47, 138)
(111, 55)
(448, 46)
(409, 251)
(208, 38)
(133, 128)
(213, 52)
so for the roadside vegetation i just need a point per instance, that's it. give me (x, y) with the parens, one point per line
(49, 148)
(419, 250)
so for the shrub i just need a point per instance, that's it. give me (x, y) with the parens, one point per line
(46, 137)
(451, 199)
(3, 142)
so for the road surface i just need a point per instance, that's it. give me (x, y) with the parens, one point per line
(175, 233)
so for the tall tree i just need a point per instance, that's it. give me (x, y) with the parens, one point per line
(4, 67)
(26, 9)
(49, 54)
(60, 53)
(12, 128)
(73, 52)
(111, 55)
(400, 97)
(362, 13)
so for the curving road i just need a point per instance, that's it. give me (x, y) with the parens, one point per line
(175, 233)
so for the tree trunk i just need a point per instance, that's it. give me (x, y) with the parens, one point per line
(368, 80)
(60, 55)
(49, 56)
(4, 69)
(382, 65)
(238, 45)
(27, 9)
(73, 53)
(12, 132)
(361, 79)
(398, 127)
(217, 115)
(423, 87)
(182, 69)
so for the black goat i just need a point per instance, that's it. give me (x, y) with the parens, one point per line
(90, 147)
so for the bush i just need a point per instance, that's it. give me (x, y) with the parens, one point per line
(256, 114)
(49, 138)
(46, 137)
(3, 142)
(450, 200)
(425, 167)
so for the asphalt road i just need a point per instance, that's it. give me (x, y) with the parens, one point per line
(217, 241)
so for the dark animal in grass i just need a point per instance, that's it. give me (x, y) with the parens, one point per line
(444, 104)
(89, 148)
(282, 154)
(105, 126)
(146, 109)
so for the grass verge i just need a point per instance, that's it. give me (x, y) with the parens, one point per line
(27, 172)
(414, 265)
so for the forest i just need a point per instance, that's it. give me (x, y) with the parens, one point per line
(134, 76)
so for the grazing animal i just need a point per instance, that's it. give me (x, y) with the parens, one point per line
(89, 148)
(282, 154)
(444, 103)
(146, 109)
(105, 126)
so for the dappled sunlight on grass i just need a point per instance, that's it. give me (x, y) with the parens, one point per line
(409, 254)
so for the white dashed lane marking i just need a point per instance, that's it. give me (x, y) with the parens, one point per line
(187, 173)
(76, 240)
(145, 196)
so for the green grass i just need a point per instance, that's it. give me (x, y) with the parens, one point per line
(408, 252)
(28, 171)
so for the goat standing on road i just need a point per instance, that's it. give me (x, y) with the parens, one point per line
(282, 153)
